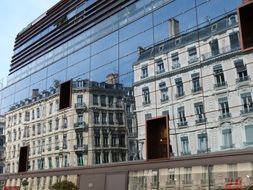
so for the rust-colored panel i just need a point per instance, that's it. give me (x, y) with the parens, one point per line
(245, 15)
(157, 138)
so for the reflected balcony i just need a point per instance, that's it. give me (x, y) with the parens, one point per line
(180, 94)
(203, 150)
(220, 85)
(243, 79)
(247, 110)
(229, 146)
(193, 59)
(162, 70)
(200, 120)
(182, 124)
(187, 182)
(170, 183)
(80, 107)
(146, 103)
(176, 66)
(80, 126)
(197, 90)
(224, 116)
(186, 153)
(80, 148)
(248, 143)
(206, 182)
(132, 134)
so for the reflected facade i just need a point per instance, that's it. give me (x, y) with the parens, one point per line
(128, 61)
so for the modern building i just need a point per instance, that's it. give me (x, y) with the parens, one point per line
(87, 75)
(201, 80)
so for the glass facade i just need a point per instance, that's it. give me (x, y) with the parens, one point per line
(154, 57)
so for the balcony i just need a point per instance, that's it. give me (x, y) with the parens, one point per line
(81, 148)
(229, 146)
(196, 90)
(80, 126)
(207, 181)
(182, 124)
(146, 103)
(170, 183)
(200, 121)
(187, 182)
(193, 59)
(176, 65)
(144, 76)
(243, 79)
(180, 95)
(248, 143)
(186, 153)
(224, 116)
(132, 135)
(160, 71)
(80, 106)
(164, 99)
(220, 85)
(204, 150)
(247, 111)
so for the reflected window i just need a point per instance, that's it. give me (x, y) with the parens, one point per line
(50, 165)
(175, 61)
(234, 41)
(232, 20)
(195, 83)
(219, 76)
(160, 66)
(241, 71)
(154, 182)
(104, 120)
(171, 178)
(187, 178)
(164, 92)
(95, 99)
(247, 103)
(103, 100)
(105, 157)
(144, 71)
(110, 101)
(111, 120)
(227, 139)
(232, 172)
(202, 143)
(57, 162)
(97, 157)
(80, 159)
(179, 87)
(146, 96)
(49, 148)
(181, 115)
(96, 117)
(119, 118)
(249, 135)
(185, 146)
(105, 139)
(65, 142)
(200, 113)
(224, 107)
(97, 138)
(192, 54)
(214, 47)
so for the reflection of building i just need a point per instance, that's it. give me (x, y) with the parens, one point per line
(2, 141)
(202, 81)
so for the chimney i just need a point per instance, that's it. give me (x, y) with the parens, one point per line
(35, 93)
(112, 78)
(173, 27)
(140, 50)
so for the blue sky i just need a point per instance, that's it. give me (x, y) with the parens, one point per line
(14, 16)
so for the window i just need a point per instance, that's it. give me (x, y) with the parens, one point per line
(33, 114)
(247, 103)
(119, 118)
(234, 41)
(97, 137)
(146, 96)
(66, 161)
(185, 146)
(64, 122)
(56, 123)
(119, 102)
(232, 20)
(105, 139)
(111, 120)
(175, 61)
(57, 162)
(65, 142)
(96, 117)
(39, 148)
(114, 140)
(38, 113)
(180, 87)
(219, 76)
(164, 92)
(241, 71)
(195, 83)
(97, 157)
(115, 156)
(105, 157)
(95, 99)
(104, 118)
(192, 53)
(199, 109)
(154, 180)
(207, 175)
(160, 66)
(224, 108)
(56, 142)
(79, 117)
(33, 130)
(214, 47)
(122, 140)
(232, 172)
(79, 101)
(43, 145)
(50, 165)
(27, 116)
(144, 71)
(103, 100)
(80, 159)
(38, 129)
(171, 179)
(79, 139)
(110, 101)
(50, 108)
(249, 134)
(49, 144)
(227, 138)
(187, 176)
(181, 116)
(148, 116)
(202, 143)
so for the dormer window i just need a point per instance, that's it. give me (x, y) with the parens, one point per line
(232, 20)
